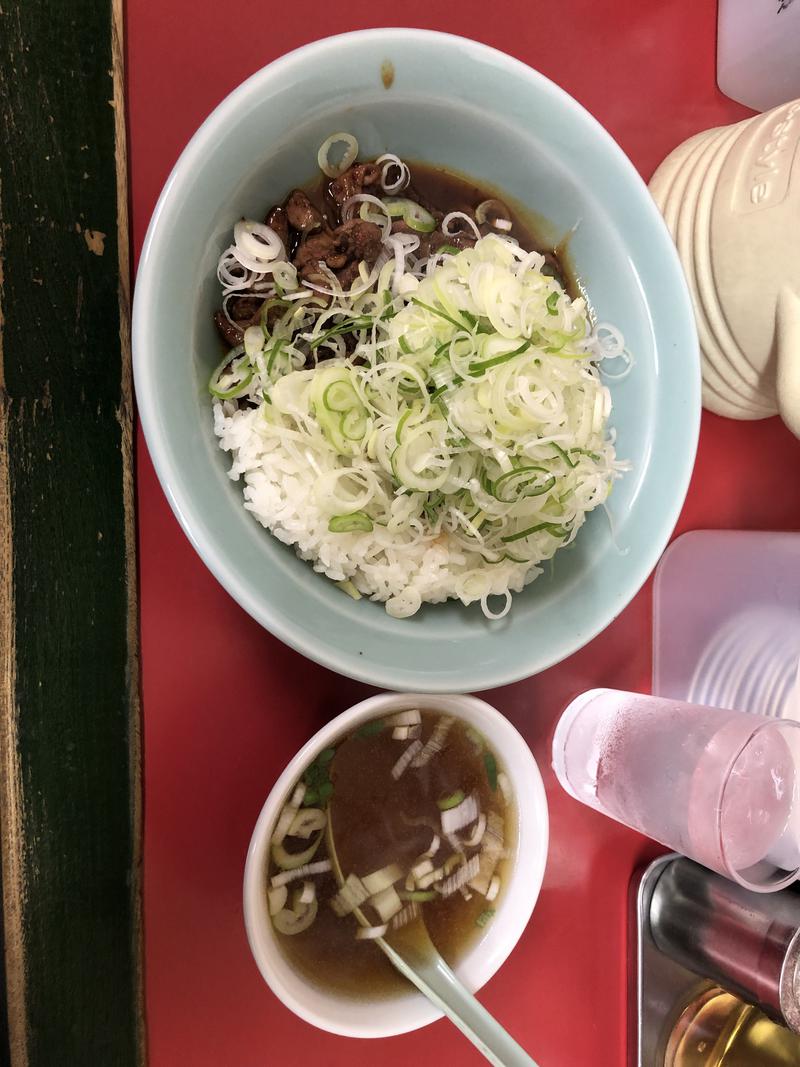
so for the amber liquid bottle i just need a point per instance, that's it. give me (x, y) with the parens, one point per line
(719, 1030)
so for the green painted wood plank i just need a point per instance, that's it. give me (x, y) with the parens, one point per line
(69, 744)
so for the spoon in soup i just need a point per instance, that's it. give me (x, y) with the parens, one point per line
(415, 956)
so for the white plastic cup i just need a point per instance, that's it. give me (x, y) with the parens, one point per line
(753, 663)
(731, 199)
(758, 51)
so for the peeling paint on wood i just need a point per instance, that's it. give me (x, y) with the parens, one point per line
(95, 241)
(69, 728)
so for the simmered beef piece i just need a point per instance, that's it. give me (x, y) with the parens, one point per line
(360, 178)
(301, 213)
(230, 334)
(552, 266)
(311, 229)
(319, 248)
(279, 223)
(363, 240)
(461, 233)
(339, 249)
(432, 242)
(243, 309)
(426, 240)
(461, 239)
(346, 276)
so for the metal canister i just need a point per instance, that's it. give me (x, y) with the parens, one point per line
(747, 942)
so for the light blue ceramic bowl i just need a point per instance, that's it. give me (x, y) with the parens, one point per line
(460, 104)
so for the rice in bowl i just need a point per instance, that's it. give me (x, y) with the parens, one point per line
(459, 439)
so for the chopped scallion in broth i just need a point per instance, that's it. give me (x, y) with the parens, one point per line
(420, 827)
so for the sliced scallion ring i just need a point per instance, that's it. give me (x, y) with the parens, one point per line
(353, 424)
(463, 219)
(333, 170)
(295, 921)
(482, 366)
(522, 482)
(452, 800)
(290, 861)
(490, 763)
(420, 896)
(340, 396)
(492, 211)
(398, 433)
(253, 341)
(389, 161)
(356, 522)
(413, 214)
(232, 377)
(552, 528)
(277, 898)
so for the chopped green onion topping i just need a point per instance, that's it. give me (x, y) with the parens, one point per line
(451, 801)
(440, 313)
(398, 433)
(319, 788)
(357, 521)
(485, 917)
(371, 729)
(340, 396)
(475, 738)
(346, 326)
(484, 365)
(569, 462)
(413, 214)
(274, 352)
(522, 482)
(490, 763)
(231, 378)
(551, 527)
(350, 589)
(439, 408)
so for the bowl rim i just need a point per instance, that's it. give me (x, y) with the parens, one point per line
(484, 959)
(180, 497)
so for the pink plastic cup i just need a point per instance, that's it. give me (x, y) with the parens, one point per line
(717, 785)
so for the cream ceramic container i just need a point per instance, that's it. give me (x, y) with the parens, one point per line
(731, 199)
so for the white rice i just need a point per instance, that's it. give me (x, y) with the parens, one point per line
(279, 491)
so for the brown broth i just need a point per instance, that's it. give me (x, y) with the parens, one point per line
(439, 190)
(449, 191)
(446, 190)
(369, 812)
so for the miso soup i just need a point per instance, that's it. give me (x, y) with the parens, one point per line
(420, 812)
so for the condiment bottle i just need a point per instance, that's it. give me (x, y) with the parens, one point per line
(719, 1030)
(747, 942)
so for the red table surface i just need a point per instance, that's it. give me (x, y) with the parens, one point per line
(226, 704)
